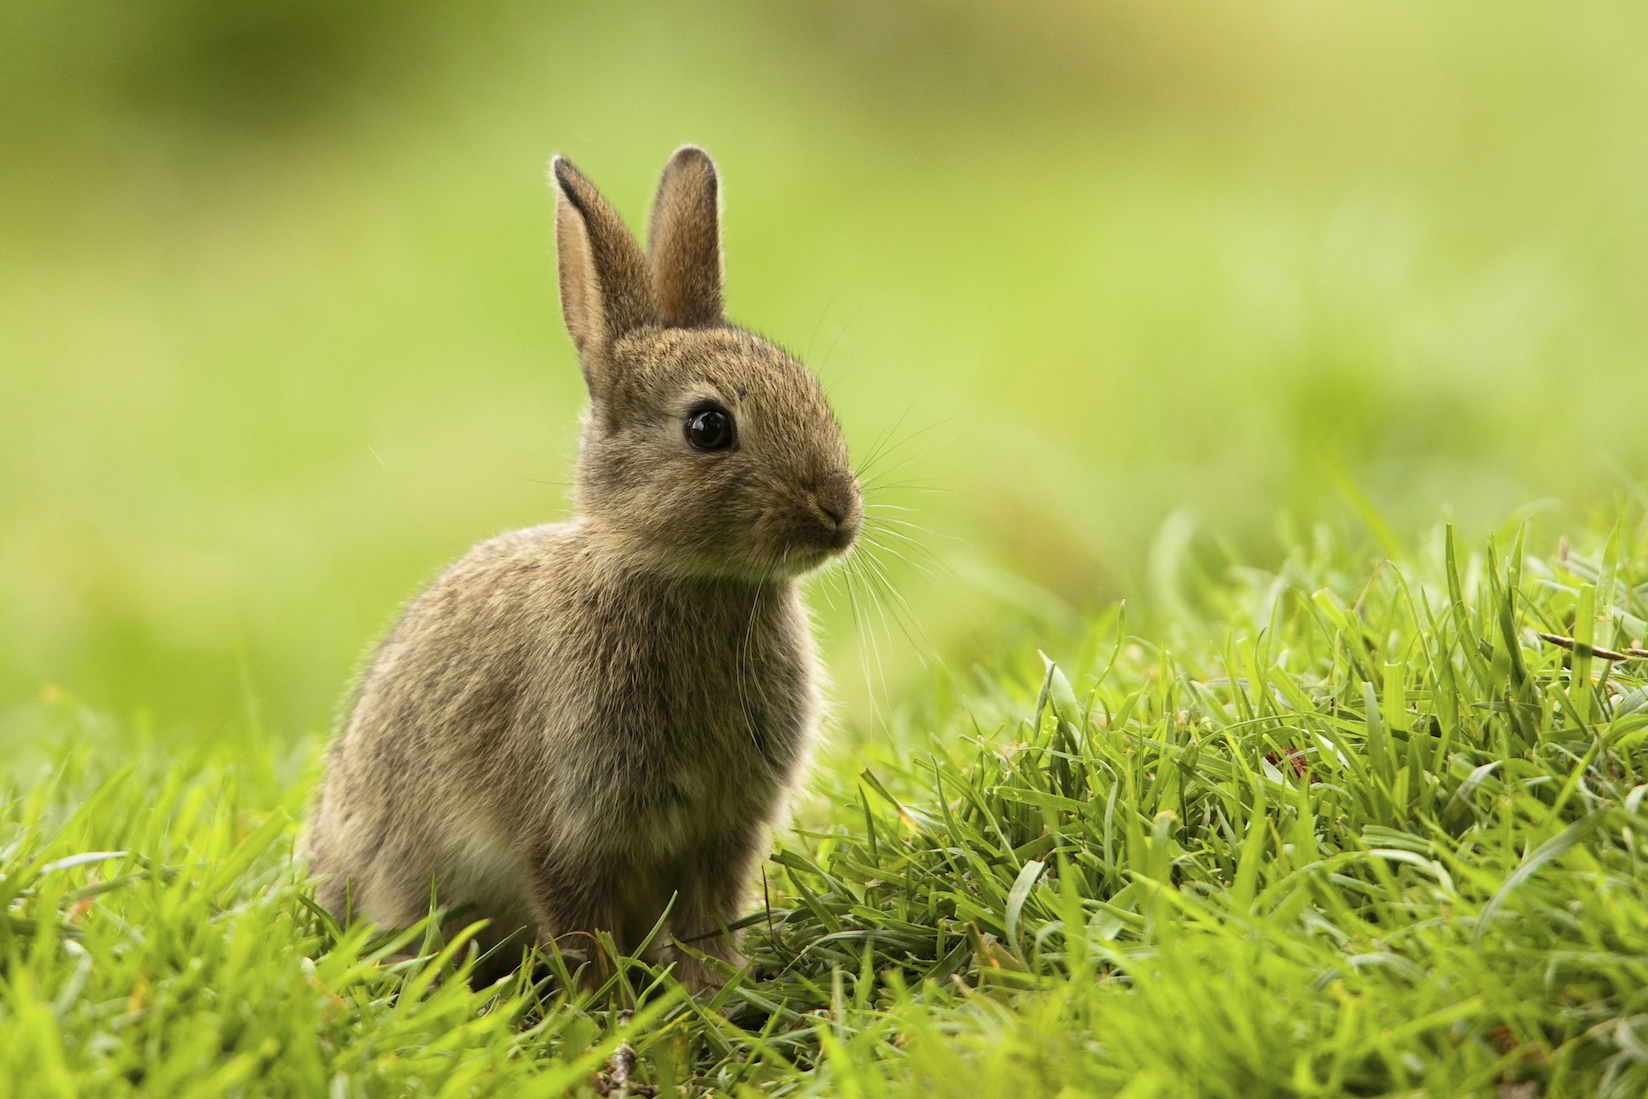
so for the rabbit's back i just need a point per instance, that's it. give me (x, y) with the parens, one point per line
(540, 701)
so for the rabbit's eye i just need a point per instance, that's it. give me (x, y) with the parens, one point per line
(710, 429)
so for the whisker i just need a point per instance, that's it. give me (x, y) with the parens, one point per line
(880, 519)
(867, 466)
(879, 574)
(867, 647)
(824, 585)
(886, 581)
(869, 473)
(903, 614)
(911, 544)
(906, 544)
(912, 485)
(867, 631)
(842, 331)
(913, 563)
(812, 339)
(883, 442)
(880, 527)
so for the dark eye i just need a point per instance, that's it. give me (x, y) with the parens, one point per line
(710, 429)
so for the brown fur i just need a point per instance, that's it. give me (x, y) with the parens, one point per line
(580, 725)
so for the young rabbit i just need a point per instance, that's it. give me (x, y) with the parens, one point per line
(582, 725)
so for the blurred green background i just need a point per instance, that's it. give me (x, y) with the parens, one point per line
(279, 336)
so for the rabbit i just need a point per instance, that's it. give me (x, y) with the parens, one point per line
(583, 726)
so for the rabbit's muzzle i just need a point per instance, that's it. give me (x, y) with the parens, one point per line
(808, 526)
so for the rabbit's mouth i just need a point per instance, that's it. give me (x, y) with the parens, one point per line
(799, 561)
(807, 529)
(804, 554)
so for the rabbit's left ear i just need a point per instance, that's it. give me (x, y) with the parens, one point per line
(684, 242)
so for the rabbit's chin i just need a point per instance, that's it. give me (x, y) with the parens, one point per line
(805, 552)
(753, 568)
(790, 565)
(798, 563)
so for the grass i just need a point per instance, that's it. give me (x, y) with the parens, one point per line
(1348, 827)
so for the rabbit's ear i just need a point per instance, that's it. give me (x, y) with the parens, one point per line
(684, 243)
(605, 290)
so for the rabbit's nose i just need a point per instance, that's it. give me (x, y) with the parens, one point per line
(835, 509)
(826, 513)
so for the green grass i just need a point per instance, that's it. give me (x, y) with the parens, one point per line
(1348, 827)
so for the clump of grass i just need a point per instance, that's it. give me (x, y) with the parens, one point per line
(159, 938)
(1348, 827)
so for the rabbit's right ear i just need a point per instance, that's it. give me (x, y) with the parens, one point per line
(605, 287)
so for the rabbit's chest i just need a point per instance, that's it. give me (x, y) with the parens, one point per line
(704, 722)
(688, 770)
(716, 680)
(730, 711)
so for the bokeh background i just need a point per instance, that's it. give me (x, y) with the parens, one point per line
(279, 336)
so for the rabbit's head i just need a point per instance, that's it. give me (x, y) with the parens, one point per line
(706, 450)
